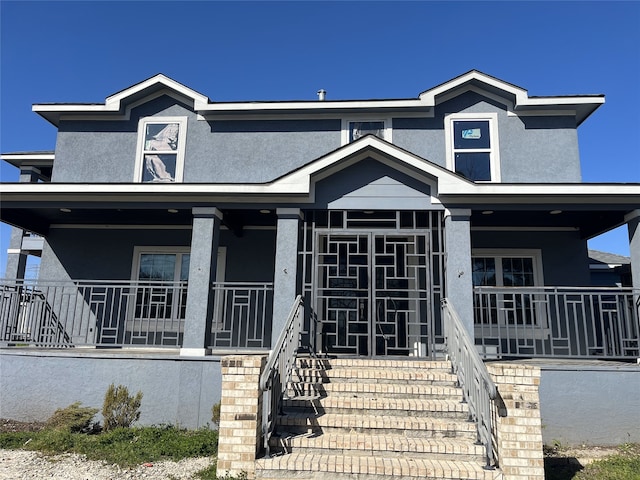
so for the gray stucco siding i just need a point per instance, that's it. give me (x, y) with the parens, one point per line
(176, 390)
(564, 254)
(105, 151)
(250, 258)
(100, 254)
(422, 136)
(256, 152)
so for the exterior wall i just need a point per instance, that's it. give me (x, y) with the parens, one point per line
(564, 254)
(532, 149)
(107, 254)
(240, 151)
(99, 254)
(177, 390)
(592, 403)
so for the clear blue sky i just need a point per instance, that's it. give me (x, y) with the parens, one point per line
(85, 51)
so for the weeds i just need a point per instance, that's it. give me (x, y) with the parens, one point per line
(119, 408)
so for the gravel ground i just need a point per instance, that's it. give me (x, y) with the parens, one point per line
(27, 465)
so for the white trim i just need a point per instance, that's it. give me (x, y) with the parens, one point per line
(138, 250)
(347, 120)
(494, 150)
(194, 352)
(13, 251)
(27, 156)
(180, 152)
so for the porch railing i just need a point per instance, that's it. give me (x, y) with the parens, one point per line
(557, 322)
(92, 313)
(474, 379)
(242, 313)
(278, 370)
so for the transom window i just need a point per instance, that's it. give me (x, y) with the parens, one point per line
(472, 146)
(352, 130)
(161, 146)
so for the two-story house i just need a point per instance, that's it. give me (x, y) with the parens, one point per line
(186, 228)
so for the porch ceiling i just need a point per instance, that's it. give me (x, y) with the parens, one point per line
(590, 222)
(39, 219)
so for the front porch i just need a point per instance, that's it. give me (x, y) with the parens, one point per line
(515, 322)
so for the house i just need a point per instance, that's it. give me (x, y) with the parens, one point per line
(174, 230)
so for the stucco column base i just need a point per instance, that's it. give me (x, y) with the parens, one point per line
(240, 432)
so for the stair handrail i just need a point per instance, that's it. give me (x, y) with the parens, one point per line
(478, 388)
(278, 369)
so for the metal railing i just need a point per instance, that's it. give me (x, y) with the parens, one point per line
(478, 389)
(92, 313)
(560, 322)
(278, 370)
(242, 314)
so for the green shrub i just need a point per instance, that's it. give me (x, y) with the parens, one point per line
(215, 414)
(73, 418)
(119, 408)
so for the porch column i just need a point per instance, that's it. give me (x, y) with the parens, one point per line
(458, 272)
(205, 238)
(286, 268)
(633, 225)
(16, 259)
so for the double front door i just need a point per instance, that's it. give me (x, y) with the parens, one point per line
(372, 293)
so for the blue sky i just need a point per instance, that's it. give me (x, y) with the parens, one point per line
(85, 51)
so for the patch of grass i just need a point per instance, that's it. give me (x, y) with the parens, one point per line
(123, 446)
(623, 466)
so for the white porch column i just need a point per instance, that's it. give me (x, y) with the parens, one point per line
(286, 268)
(633, 225)
(205, 239)
(458, 271)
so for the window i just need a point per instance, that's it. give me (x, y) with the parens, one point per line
(472, 146)
(161, 147)
(506, 269)
(161, 290)
(352, 130)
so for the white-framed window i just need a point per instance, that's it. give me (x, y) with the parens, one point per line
(472, 146)
(507, 268)
(161, 148)
(160, 275)
(355, 128)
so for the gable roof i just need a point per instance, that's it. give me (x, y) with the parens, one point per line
(516, 99)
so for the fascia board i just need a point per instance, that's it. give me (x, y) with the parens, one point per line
(320, 106)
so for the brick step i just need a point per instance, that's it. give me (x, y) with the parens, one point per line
(335, 363)
(343, 467)
(425, 427)
(385, 445)
(356, 404)
(389, 390)
(375, 375)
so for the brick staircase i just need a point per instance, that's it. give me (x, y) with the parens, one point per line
(374, 419)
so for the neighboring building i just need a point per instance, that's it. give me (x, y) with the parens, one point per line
(167, 220)
(609, 269)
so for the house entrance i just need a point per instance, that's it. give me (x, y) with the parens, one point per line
(372, 292)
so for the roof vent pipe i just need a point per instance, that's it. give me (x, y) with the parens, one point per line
(321, 94)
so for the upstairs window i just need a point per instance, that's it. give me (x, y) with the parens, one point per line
(352, 130)
(472, 147)
(161, 146)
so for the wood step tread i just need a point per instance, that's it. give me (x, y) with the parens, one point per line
(370, 465)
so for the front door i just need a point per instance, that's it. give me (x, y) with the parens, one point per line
(372, 293)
